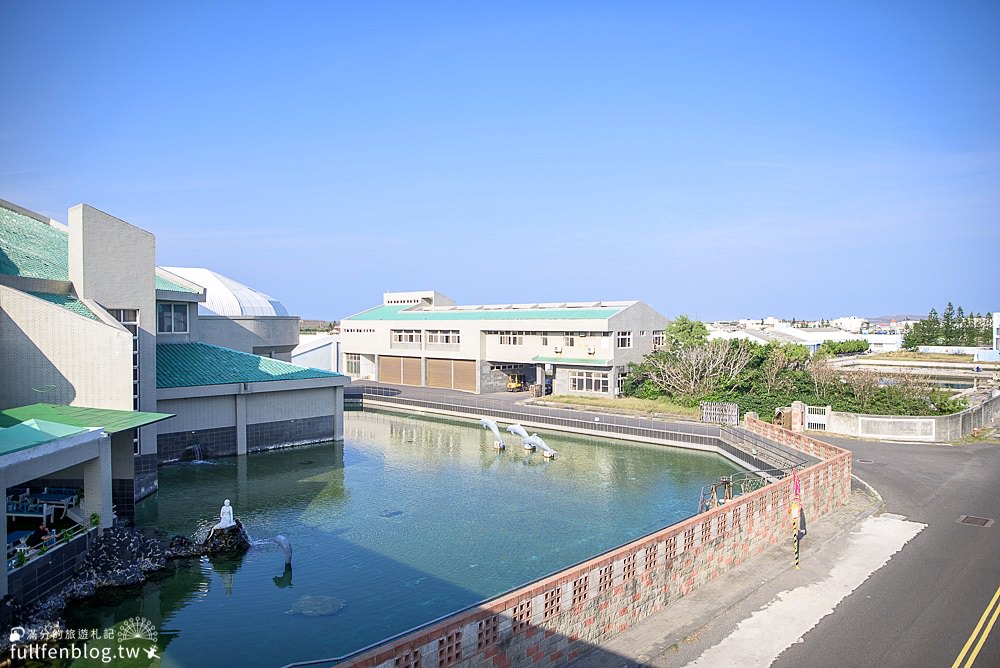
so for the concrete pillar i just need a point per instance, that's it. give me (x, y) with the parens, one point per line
(798, 416)
(338, 413)
(241, 424)
(97, 485)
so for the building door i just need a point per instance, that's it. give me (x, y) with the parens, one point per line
(390, 370)
(411, 371)
(465, 375)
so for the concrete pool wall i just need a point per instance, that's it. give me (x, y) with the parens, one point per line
(554, 620)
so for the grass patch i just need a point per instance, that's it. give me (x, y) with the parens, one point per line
(920, 357)
(628, 404)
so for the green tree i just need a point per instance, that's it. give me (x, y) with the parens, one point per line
(683, 332)
(948, 329)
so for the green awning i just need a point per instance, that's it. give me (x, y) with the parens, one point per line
(570, 361)
(112, 421)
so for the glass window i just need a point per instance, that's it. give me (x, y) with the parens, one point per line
(171, 318)
(588, 381)
(624, 339)
(353, 363)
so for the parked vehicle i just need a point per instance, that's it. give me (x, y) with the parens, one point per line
(515, 382)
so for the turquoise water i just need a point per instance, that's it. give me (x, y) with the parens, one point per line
(410, 519)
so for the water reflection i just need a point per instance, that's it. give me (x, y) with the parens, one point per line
(408, 519)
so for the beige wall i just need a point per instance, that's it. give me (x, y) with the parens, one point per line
(249, 334)
(277, 406)
(41, 344)
(114, 263)
(200, 413)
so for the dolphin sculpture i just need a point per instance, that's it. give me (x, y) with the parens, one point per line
(492, 426)
(519, 430)
(537, 441)
(286, 547)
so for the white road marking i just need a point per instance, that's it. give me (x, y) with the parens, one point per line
(759, 639)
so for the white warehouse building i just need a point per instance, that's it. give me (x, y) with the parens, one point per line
(425, 339)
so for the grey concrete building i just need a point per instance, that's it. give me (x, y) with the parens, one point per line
(88, 319)
(424, 338)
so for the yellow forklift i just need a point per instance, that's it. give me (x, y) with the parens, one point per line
(515, 382)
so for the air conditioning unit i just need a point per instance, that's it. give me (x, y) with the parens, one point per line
(591, 350)
(557, 349)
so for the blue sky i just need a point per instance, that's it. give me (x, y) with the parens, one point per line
(717, 159)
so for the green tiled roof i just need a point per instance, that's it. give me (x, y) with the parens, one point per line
(28, 434)
(71, 303)
(194, 364)
(588, 361)
(163, 283)
(31, 248)
(398, 312)
(109, 420)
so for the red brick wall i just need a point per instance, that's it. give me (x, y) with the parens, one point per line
(552, 621)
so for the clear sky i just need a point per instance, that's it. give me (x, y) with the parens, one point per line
(724, 160)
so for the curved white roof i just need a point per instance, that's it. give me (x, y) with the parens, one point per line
(224, 296)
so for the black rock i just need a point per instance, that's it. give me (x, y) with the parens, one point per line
(231, 540)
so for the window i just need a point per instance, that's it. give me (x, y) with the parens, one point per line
(511, 338)
(624, 340)
(129, 318)
(658, 338)
(442, 336)
(353, 363)
(588, 381)
(406, 336)
(171, 318)
(642, 332)
(568, 340)
(545, 339)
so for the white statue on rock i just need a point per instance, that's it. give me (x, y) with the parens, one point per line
(225, 518)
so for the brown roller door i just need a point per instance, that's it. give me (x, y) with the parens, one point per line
(390, 370)
(465, 375)
(411, 371)
(438, 373)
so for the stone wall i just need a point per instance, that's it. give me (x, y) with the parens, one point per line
(937, 428)
(555, 620)
(269, 435)
(211, 443)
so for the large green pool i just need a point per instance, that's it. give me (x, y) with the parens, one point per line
(409, 519)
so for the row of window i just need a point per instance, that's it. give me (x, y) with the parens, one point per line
(434, 336)
(588, 381)
(622, 339)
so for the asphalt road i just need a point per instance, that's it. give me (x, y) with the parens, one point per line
(922, 607)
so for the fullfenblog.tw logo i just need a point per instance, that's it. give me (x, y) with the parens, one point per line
(137, 628)
(136, 637)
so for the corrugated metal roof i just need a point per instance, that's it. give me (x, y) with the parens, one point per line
(111, 421)
(226, 296)
(32, 249)
(70, 303)
(195, 364)
(399, 312)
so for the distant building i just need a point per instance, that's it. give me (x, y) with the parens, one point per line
(318, 351)
(850, 323)
(994, 354)
(425, 339)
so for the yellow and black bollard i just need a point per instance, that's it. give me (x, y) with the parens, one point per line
(795, 532)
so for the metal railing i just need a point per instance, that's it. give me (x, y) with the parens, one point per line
(620, 425)
(764, 454)
(738, 484)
